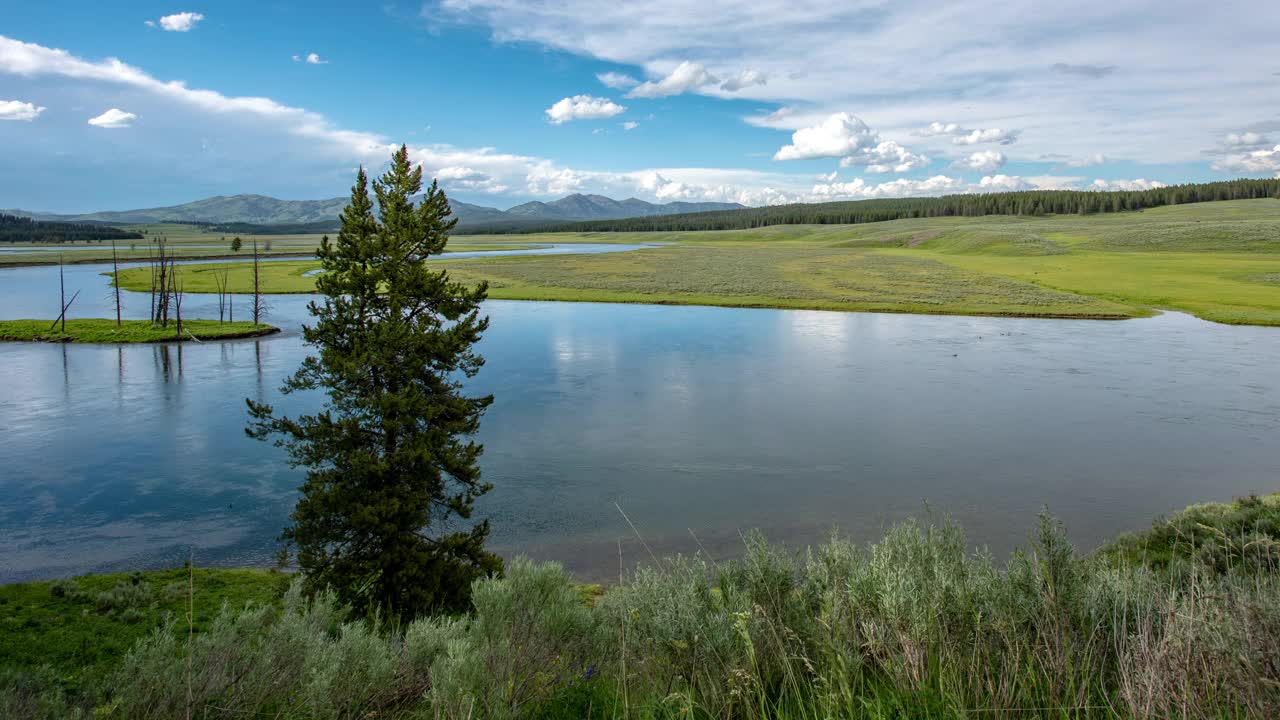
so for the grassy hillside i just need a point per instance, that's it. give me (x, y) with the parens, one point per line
(1219, 261)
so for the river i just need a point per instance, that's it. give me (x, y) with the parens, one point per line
(699, 423)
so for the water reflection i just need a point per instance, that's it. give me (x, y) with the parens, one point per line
(695, 421)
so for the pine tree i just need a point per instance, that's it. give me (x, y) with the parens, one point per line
(391, 465)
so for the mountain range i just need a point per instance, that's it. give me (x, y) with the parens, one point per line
(264, 210)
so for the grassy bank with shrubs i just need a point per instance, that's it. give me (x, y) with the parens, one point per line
(1180, 621)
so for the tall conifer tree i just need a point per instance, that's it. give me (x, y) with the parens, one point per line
(392, 470)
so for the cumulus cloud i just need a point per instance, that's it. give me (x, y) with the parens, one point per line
(1004, 183)
(686, 77)
(1089, 71)
(1138, 184)
(822, 57)
(180, 22)
(983, 161)
(1245, 141)
(113, 118)
(965, 136)
(839, 135)
(616, 80)
(1255, 162)
(861, 189)
(311, 59)
(846, 136)
(630, 125)
(744, 79)
(18, 110)
(886, 156)
(582, 107)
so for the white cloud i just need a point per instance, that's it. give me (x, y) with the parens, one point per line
(1245, 141)
(314, 59)
(180, 22)
(966, 136)
(32, 60)
(113, 118)
(18, 110)
(839, 135)
(847, 137)
(829, 177)
(1253, 163)
(1093, 160)
(686, 77)
(630, 125)
(149, 23)
(617, 80)
(1004, 183)
(859, 189)
(983, 161)
(911, 62)
(988, 135)
(1138, 184)
(780, 119)
(884, 157)
(583, 107)
(744, 79)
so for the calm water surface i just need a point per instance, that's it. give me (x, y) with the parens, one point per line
(707, 420)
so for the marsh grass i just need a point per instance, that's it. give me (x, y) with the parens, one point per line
(1216, 260)
(100, 330)
(917, 625)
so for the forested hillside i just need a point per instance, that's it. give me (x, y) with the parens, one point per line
(23, 229)
(1036, 202)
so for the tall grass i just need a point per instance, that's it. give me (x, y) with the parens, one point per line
(913, 626)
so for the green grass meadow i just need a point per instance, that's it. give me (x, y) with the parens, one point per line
(1219, 261)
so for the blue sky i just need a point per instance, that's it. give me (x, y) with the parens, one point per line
(122, 105)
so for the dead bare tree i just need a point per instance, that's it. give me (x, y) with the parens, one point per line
(259, 305)
(62, 294)
(222, 296)
(231, 310)
(177, 306)
(115, 278)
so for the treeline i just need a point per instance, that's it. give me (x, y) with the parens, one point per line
(1034, 202)
(245, 228)
(15, 228)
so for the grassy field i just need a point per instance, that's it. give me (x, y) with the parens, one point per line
(1219, 261)
(82, 628)
(100, 330)
(1182, 620)
(192, 242)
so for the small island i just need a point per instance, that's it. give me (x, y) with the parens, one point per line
(102, 330)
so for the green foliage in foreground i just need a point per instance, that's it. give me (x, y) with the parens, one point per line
(99, 330)
(81, 629)
(915, 625)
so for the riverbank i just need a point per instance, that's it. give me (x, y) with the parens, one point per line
(1181, 617)
(1218, 261)
(103, 330)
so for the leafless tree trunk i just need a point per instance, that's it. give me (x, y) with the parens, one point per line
(177, 300)
(62, 294)
(259, 307)
(115, 273)
(222, 297)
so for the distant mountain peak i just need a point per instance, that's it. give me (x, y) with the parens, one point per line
(266, 210)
